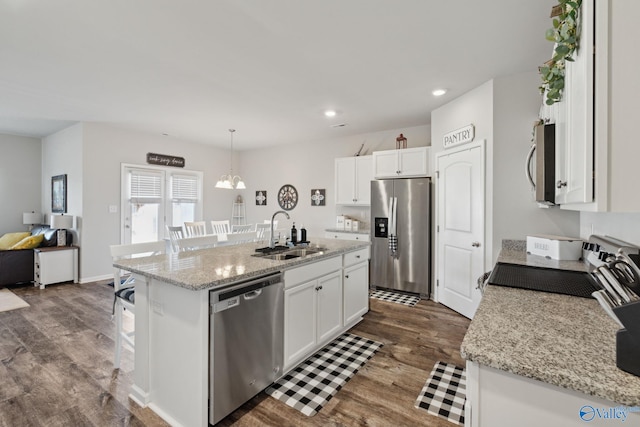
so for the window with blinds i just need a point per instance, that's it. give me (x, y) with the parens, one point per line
(184, 188)
(155, 197)
(145, 187)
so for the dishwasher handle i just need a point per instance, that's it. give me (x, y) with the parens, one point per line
(252, 294)
(248, 286)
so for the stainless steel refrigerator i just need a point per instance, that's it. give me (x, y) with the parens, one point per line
(401, 235)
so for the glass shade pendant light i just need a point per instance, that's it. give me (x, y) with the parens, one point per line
(231, 181)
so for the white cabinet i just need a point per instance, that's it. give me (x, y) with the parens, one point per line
(597, 143)
(355, 285)
(353, 177)
(55, 265)
(329, 308)
(347, 236)
(299, 322)
(574, 121)
(404, 163)
(313, 316)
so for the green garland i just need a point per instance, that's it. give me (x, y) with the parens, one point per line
(566, 36)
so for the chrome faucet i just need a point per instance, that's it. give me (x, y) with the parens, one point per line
(271, 240)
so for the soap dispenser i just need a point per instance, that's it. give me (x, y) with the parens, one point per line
(303, 234)
(294, 234)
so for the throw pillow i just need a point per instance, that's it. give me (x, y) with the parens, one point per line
(11, 239)
(30, 242)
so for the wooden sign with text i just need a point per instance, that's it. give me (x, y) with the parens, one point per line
(459, 136)
(164, 160)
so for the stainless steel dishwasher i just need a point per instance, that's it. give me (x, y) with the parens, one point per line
(246, 328)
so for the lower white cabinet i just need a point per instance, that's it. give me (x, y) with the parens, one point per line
(321, 301)
(313, 316)
(55, 265)
(356, 292)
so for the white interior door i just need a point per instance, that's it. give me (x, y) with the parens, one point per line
(460, 227)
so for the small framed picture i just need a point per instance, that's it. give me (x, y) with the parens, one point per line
(261, 198)
(59, 194)
(318, 197)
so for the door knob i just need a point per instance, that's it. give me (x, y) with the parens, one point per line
(561, 184)
(475, 244)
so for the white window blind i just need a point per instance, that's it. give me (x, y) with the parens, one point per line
(184, 188)
(145, 186)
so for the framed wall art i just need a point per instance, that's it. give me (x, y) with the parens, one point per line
(59, 194)
(318, 197)
(261, 198)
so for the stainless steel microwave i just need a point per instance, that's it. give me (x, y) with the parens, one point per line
(544, 149)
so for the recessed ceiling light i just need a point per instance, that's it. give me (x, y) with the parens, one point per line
(439, 92)
(330, 113)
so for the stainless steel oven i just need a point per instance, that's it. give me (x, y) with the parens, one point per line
(246, 330)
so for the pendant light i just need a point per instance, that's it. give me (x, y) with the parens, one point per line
(231, 181)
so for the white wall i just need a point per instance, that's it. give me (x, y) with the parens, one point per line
(516, 101)
(62, 154)
(307, 166)
(503, 111)
(20, 180)
(624, 226)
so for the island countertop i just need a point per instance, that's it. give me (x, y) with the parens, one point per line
(561, 340)
(216, 267)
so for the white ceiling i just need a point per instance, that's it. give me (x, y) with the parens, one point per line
(195, 68)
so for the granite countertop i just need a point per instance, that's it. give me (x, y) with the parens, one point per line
(337, 230)
(515, 252)
(216, 267)
(562, 340)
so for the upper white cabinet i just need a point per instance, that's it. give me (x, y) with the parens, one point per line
(404, 163)
(596, 137)
(353, 177)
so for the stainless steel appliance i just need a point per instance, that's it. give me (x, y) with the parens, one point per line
(401, 234)
(544, 149)
(246, 342)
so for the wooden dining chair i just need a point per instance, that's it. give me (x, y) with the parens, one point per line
(124, 290)
(198, 242)
(262, 232)
(175, 233)
(221, 227)
(197, 228)
(243, 228)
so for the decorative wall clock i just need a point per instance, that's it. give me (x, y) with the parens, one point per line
(288, 197)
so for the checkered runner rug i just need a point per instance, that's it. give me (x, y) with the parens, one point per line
(444, 393)
(315, 381)
(405, 299)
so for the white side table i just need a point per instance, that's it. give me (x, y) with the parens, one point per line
(54, 265)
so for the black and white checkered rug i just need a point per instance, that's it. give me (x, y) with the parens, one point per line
(444, 393)
(396, 297)
(315, 381)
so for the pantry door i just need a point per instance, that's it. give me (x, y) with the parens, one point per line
(460, 237)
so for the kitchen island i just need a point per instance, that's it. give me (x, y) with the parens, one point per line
(537, 358)
(171, 373)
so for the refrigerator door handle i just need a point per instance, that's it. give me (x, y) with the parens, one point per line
(395, 216)
(391, 206)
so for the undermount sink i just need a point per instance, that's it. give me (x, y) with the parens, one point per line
(280, 257)
(283, 253)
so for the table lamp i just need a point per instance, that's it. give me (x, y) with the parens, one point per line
(62, 223)
(31, 218)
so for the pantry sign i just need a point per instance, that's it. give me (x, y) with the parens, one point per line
(458, 136)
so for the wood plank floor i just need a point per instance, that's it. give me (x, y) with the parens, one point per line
(56, 366)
